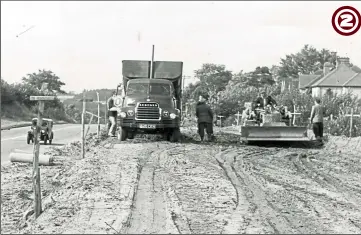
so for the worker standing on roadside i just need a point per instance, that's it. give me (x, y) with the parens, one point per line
(316, 119)
(112, 113)
(204, 115)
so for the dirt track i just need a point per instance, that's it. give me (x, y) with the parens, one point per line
(152, 186)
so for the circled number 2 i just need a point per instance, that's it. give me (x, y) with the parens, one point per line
(346, 20)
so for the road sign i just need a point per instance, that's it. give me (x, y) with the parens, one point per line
(346, 20)
(42, 98)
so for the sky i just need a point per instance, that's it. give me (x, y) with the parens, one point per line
(84, 43)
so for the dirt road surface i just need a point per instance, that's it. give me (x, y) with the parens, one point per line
(148, 185)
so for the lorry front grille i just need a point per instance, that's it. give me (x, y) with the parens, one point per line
(147, 111)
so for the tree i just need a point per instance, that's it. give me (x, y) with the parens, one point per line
(260, 77)
(308, 61)
(213, 78)
(37, 79)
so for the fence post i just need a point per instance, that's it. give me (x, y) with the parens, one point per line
(105, 113)
(351, 117)
(98, 127)
(83, 127)
(238, 118)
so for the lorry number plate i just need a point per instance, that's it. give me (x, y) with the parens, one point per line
(147, 126)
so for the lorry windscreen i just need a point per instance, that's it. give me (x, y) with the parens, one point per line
(155, 89)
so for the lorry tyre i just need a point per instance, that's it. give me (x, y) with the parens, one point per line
(131, 135)
(122, 134)
(167, 135)
(175, 135)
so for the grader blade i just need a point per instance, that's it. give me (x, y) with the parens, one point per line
(274, 133)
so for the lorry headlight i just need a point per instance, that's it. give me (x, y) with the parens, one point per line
(130, 112)
(130, 101)
(122, 114)
(172, 116)
(165, 113)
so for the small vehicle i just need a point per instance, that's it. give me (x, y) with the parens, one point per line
(46, 131)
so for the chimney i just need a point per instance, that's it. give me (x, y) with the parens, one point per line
(327, 66)
(343, 60)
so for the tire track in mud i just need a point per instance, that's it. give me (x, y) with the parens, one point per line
(308, 203)
(331, 185)
(257, 213)
(153, 211)
(199, 183)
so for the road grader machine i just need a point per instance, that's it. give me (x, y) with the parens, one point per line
(271, 124)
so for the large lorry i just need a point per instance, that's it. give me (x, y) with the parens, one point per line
(150, 100)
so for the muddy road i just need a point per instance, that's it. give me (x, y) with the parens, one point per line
(152, 186)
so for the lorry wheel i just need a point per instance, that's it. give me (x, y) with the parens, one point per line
(167, 136)
(131, 135)
(122, 134)
(175, 135)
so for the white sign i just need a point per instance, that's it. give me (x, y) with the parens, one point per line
(42, 97)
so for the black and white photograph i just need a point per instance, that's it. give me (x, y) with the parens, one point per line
(180, 117)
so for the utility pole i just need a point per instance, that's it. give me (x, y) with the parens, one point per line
(152, 63)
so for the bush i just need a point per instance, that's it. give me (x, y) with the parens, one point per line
(341, 126)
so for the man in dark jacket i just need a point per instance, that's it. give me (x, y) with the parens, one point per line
(204, 115)
(262, 101)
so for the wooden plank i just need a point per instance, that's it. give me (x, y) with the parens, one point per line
(39, 98)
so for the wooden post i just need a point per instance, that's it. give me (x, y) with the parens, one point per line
(351, 119)
(352, 115)
(98, 127)
(90, 121)
(238, 118)
(220, 120)
(36, 150)
(84, 100)
(83, 127)
(106, 110)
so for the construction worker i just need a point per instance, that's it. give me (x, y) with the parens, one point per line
(262, 101)
(316, 119)
(112, 114)
(204, 115)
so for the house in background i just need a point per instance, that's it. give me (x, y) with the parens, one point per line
(340, 80)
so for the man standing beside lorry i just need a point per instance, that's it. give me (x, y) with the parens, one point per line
(204, 115)
(112, 113)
